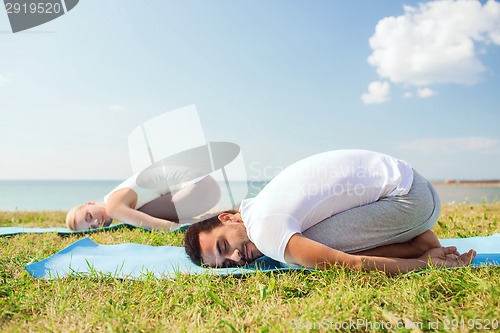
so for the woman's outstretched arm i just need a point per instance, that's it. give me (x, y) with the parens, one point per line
(119, 207)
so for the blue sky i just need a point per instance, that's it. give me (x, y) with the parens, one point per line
(282, 79)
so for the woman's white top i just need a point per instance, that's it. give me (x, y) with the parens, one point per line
(159, 182)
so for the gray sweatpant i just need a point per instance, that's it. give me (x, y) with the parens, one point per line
(387, 221)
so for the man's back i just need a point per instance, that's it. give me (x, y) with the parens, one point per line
(320, 186)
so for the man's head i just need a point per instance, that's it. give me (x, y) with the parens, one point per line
(220, 241)
(88, 216)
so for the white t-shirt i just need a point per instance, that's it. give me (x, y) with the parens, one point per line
(163, 180)
(316, 188)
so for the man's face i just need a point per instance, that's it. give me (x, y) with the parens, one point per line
(228, 245)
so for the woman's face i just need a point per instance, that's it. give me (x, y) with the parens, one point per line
(92, 216)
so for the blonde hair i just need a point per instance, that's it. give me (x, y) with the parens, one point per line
(71, 216)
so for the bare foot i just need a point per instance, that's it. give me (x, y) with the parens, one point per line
(425, 241)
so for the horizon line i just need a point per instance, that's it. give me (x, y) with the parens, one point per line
(442, 180)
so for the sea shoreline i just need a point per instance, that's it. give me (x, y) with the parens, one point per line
(53, 196)
(478, 183)
(7, 214)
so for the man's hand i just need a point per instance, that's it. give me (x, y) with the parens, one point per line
(448, 257)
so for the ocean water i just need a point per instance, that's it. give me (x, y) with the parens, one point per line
(38, 195)
(465, 193)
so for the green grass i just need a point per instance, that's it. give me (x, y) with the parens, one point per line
(263, 302)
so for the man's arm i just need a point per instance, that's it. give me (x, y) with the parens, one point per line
(119, 207)
(309, 253)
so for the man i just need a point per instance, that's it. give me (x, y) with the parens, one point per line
(355, 208)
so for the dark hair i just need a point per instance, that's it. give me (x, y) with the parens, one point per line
(192, 236)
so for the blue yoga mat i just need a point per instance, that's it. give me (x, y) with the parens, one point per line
(8, 231)
(130, 261)
(134, 261)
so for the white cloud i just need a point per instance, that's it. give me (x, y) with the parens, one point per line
(117, 108)
(3, 80)
(378, 92)
(435, 42)
(454, 145)
(425, 92)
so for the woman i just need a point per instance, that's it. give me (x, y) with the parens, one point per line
(159, 203)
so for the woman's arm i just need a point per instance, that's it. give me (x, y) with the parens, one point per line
(119, 207)
(309, 253)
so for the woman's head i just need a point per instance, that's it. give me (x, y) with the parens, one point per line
(88, 216)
